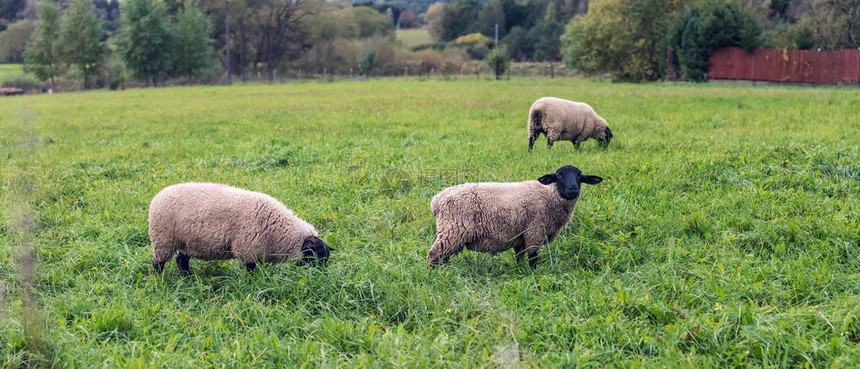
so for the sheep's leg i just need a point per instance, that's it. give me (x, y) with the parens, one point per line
(435, 255)
(161, 254)
(158, 266)
(576, 145)
(183, 261)
(250, 266)
(441, 251)
(532, 138)
(551, 137)
(532, 240)
(518, 252)
(533, 257)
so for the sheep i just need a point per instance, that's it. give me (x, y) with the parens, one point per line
(561, 119)
(494, 217)
(211, 221)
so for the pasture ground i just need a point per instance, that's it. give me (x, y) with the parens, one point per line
(415, 37)
(8, 71)
(725, 233)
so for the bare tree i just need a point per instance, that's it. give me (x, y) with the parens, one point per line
(279, 31)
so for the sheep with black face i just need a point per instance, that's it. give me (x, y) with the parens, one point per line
(495, 217)
(211, 221)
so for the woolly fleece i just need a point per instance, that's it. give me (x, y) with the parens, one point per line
(565, 120)
(494, 217)
(213, 221)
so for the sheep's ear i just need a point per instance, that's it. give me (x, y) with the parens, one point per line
(547, 179)
(592, 180)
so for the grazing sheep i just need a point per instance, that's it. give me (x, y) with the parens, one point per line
(211, 221)
(561, 119)
(494, 217)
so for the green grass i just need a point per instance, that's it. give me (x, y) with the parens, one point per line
(8, 71)
(725, 234)
(415, 37)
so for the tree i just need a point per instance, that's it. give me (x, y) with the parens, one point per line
(10, 10)
(518, 43)
(498, 61)
(546, 40)
(277, 25)
(108, 11)
(13, 41)
(42, 52)
(491, 15)
(553, 11)
(193, 54)
(440, 21)
(465, 14)
(230, 20)
(713, 25)
(80, 34)
(535, 12)
(390, 11)
(835, 23)
(330, 29)
(625, 38)
(515, 15)
(408, 20)
(369, 22)
(366, 62)
(146, 43)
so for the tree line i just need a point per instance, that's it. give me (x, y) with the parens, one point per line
(106, 42)
(153, 41)
(646, 40)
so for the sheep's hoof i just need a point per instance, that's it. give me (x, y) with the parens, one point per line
(183, 261)
(533, 258)
(159, 267)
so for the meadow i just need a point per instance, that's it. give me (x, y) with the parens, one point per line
(414, 37)
(725, 232)
(8, 71)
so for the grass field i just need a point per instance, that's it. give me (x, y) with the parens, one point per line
(725, 234)
(415, 37)
(10, 70)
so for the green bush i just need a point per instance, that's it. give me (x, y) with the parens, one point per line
(708, 27)
(24, 82)
(478, 52)
(499, 60)
(620, 37)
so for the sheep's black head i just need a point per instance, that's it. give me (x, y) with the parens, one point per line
(568, 180)
(604, 142)
(315, 252)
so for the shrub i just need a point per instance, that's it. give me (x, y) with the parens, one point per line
(498, 61)
(711, 26)
(478, 52)
(622, 37)
(473, 39)
(24, 82)
(365, 63)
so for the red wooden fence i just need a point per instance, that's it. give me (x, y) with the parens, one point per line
(778, 65)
